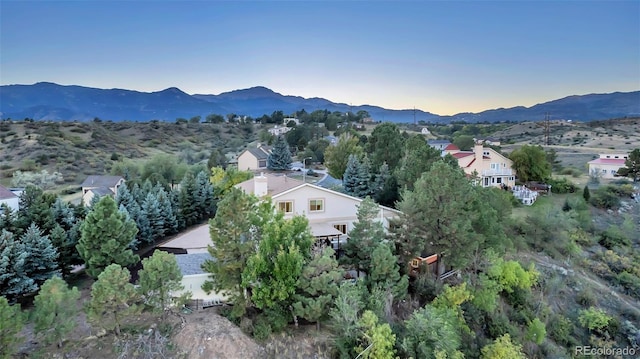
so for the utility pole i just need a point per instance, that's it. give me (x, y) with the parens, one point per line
(547, 128)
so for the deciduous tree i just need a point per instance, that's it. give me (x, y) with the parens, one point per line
(55, 310)
(530, 163)
(336, 157)
(632, 166)
(378, 340)
(106, 237)
(432, 333)
(503, 348)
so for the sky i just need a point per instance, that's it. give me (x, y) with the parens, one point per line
(444, 57)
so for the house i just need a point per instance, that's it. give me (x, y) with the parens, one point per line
(193, 277)
(489, 141)
(607, 165)
(425, 131)
(331, 214)
(492, 168)
(439, 145)
(333, 140)
(289, 119)
(100, 186)
(277, 131)
(193, 241)
(8, 197)
(254, 158)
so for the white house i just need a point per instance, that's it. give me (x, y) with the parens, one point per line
(193, 277)
(438, 144)
(425, 131)
(607, 165)
(254, 158)
(9, 198)
(101, 186)
(331, 214)
(493, 169)
(277, 131)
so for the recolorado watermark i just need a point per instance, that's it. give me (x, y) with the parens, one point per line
(587, 350)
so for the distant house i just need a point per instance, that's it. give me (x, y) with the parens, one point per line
(439, 145)
(607, 165)
(254, 158)
(331, 214)
(8, 197)
(289, 119)
(492, 168)
(332, 140)
(425, 131)
(100, 186)
(489, 141)
(277, 131)
(368, 120)
(193, 277)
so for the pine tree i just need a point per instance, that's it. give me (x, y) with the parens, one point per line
(187, 201)
(14, 280)
(363, 187)
(204, 197)
(62, 214)
(385, 187)
(137, 193)
(151, 208)
(94, 200)
(11, 323)
(8, 219)
(318, 286)
(585, 194)
(159, 278)
(280, 157)
(65, 243)
(234, 234)
(169, 217)
(350, 177)
(35, 207)
(55, 310)
(174, 198)
(42, 260)
(112, 298)
(366, 234)
(385, 273)
(106, 237)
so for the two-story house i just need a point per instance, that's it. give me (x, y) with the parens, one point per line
(254, 158)
(100, 186)
(607, 165)
(492, 168)
(8, 197)
(331, 214)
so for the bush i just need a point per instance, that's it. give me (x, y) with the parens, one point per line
(594, 319)
(561, 329)
(262, 328)
(604, 198)
(614, 237)
(630, 282)
(561, 185)
(586, 298)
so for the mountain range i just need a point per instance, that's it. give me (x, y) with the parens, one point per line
(50, 101)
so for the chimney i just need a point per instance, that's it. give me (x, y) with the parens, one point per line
(478, 149)
(260, 186)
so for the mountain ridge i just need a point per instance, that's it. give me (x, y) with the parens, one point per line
(51, 101)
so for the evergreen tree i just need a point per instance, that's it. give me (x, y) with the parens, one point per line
(62, 215)
(159, 278)
(280, 157)
(35, 207)
(385, 273)
(94, 200)
(585, 194)
(363, 187)
(432, 333)
(55, 310)
(366, 234)
(169, 216)
(8, 219)
(137, 193)
(106, 237)
(385, 187)
(65, 243)
(151, 209)
(385, 145)
(188, 209)
(350, 178)
(417, 158)
(11, 323)
(14, 279)
(318, 286)
(42, 260)
(204, 196)
(145, 234)
(345, 317)
(174, 198)
(112, 298)
(234, 236)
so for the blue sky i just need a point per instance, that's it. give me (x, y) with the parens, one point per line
(443, 57)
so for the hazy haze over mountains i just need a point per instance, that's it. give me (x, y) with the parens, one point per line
(49, 101)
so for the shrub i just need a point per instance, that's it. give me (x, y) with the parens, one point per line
(262, 328)
(560, 329)
(586, 298)
(604, 198)
(561, 185)
(614, 237)
(594, 319)
(630, 282)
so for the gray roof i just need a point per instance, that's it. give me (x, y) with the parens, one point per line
(101, 181)
(5, 193)
(102, 191)
(438, 142)
(261, 153)
(192, 263)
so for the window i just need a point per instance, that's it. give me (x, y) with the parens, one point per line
(262, 163)
(608, 156)
(286, 206)
(486, 153)
(499, 180)
(616, 156)
(341, 227)
(316, 205)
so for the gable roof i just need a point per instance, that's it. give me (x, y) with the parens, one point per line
(190, 264)
(275, 184)
(6, 194)
(101, 181)
(102, 191)
(261, 153)
(451, 147)
(462, 154)
(438, 142)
